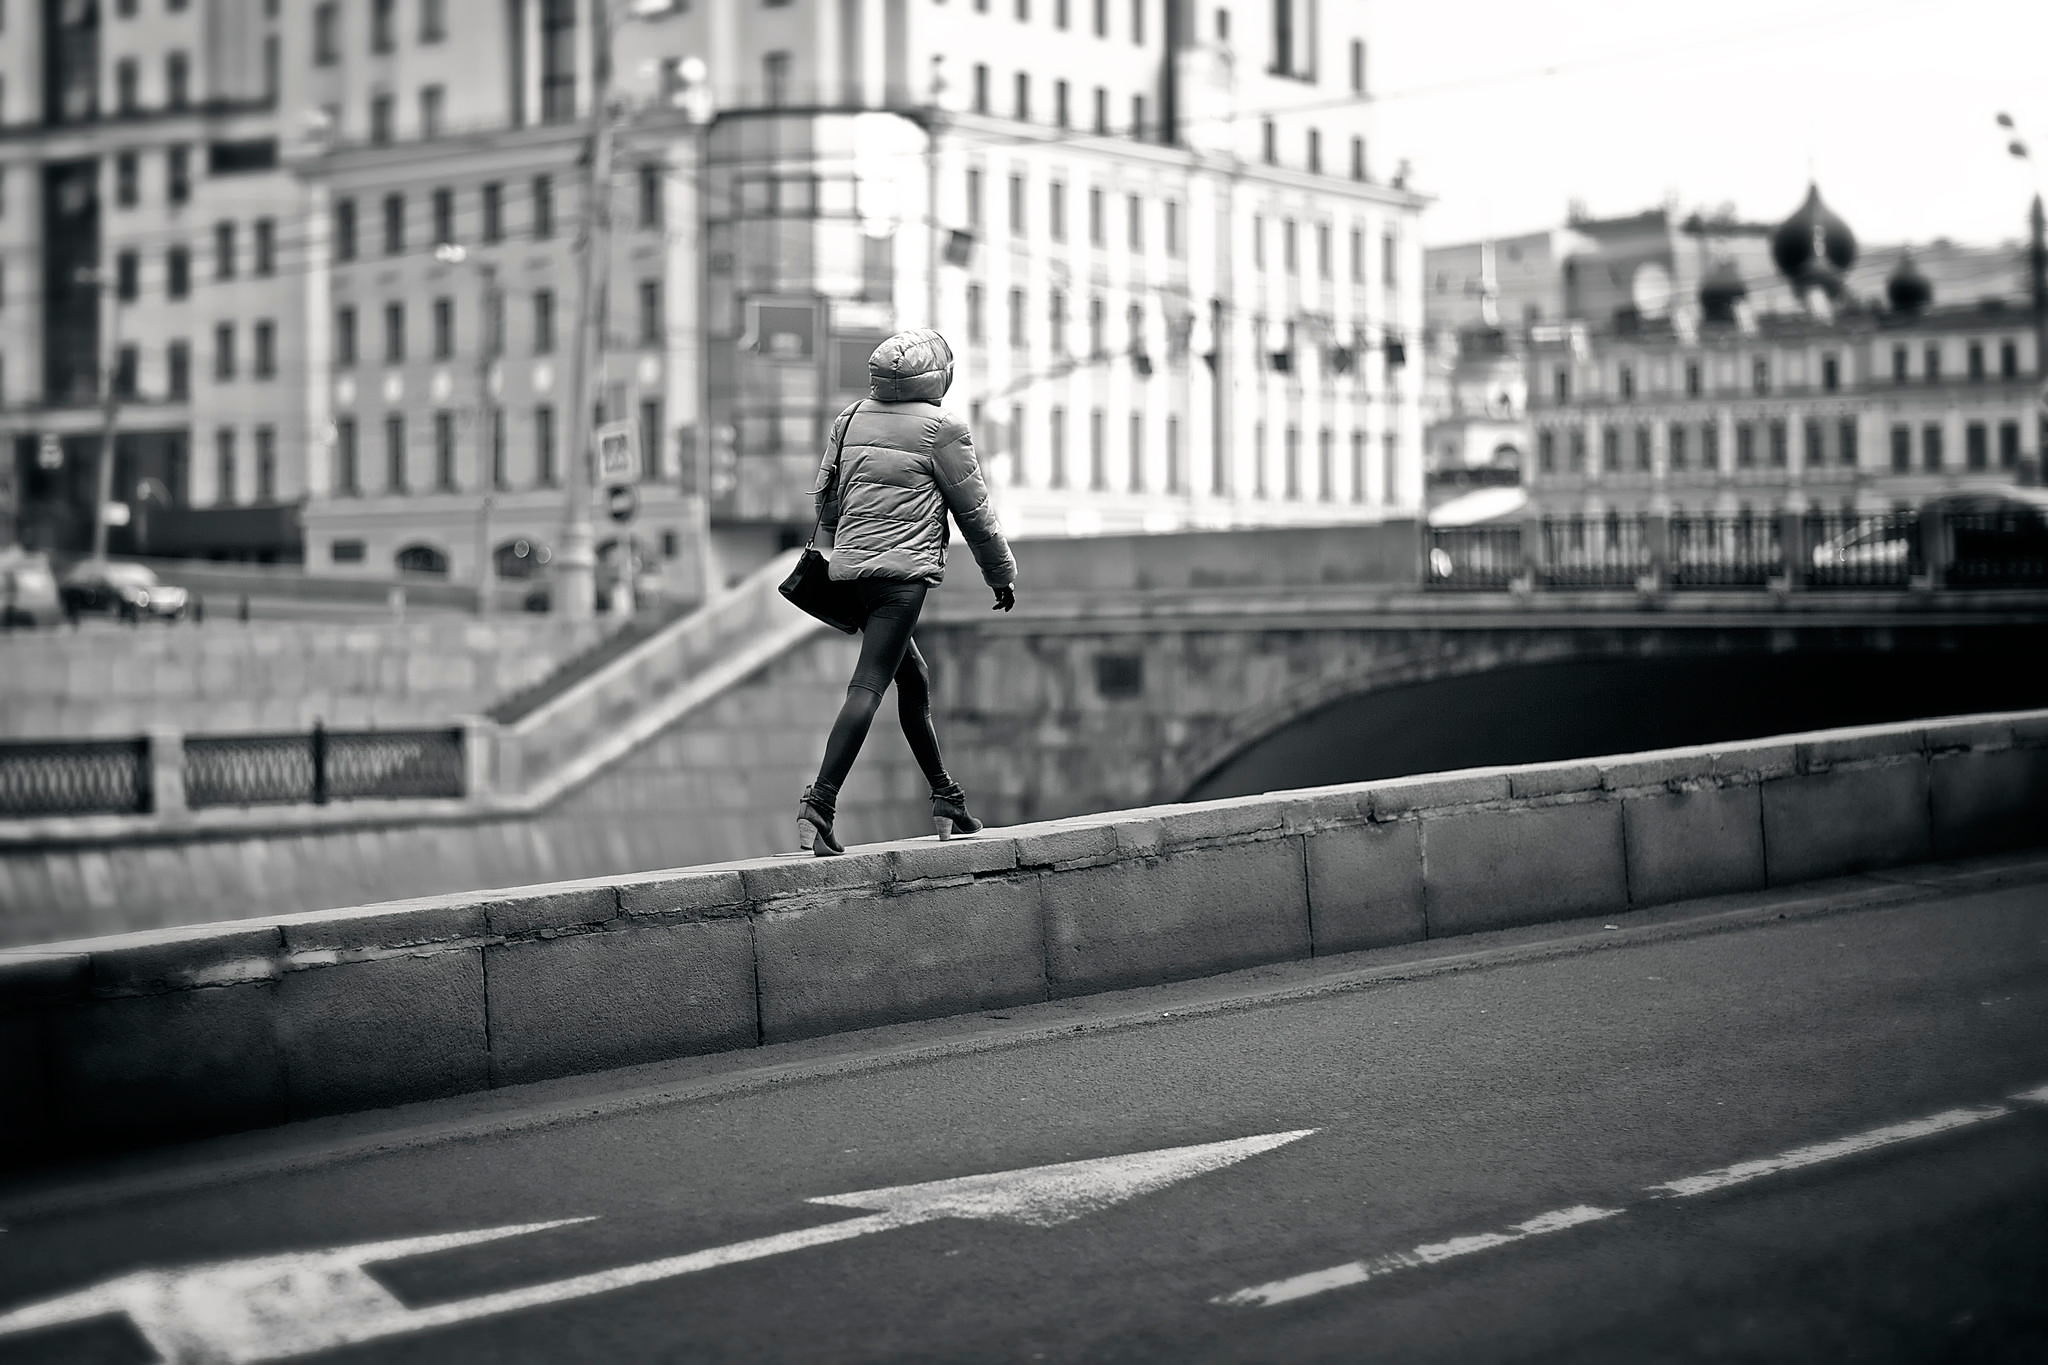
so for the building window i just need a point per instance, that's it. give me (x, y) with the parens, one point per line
(1357, 256)
(1780, 439)
(266, 464)
(1357, 67)
(1710, 446)
(493, 212)
(433, 105)
(344, 337)
(1097, 227)
(1258, 459)
(1136, 480)
(383, 26)
(127, 276)
(1098, 454)
(1023, 111)
(775, 79)
(1134, 209)
(1290, 259)
(1976, 361)
(543, 207)
(433, 20)
(266, 247)
(1056, 320)
(266, 350)
(1061, 111)
(444, 451)
(650, 313)
(1358, 465)
(1675, 455)
(177, 80)
(1846, 434)
(1056, 210)
(178, 174)
(974, 210)
(1745, 445)
(127, 180)
(2008, 444)
(1323, 251)
(444, 216)
(1642, 450)
(394, 224)
(1056, 445)
(394, 333)
(1098, 328)
(127, 86)
(344, 229)
(1760, 376)
(1138, 21)
(1101, 112)
(981, 87)
(557, 60)
(1294, 39)
(651, 215)
(1816, 453)
(977, 326)
(178, 360)
(544, 446)
(1546, 451)
(223, 251)
(1692, 379)
(1017, 323)
(1610, 448)
(1315, 152)
(1014, 435)
(1561, 385)
(1102, 18)
(394, 453)
(1933, 359)
(326, 33)
(1625, 382)
(383, 118)
(1017, 215)
(1138, 121)
(126, 364)
(543, 321)
(1290, 464)
(651, 443)
(1358, 159)
(1326, 462)
(347, 476)
(224, 350)
(1930, 446)
(1902, 448)
(1269, 142)
(1898, 364)
(501, 477)
(444, 328)
(224, 467)
(1390, 251)
(1977, 445)
(2008, 360)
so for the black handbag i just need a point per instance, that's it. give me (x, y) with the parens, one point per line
(809, 587)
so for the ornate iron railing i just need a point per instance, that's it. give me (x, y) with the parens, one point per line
(1862, 550)
(74, 777)
(1475, 557)
(326, 765)
(1724, 552)
(1595, 552)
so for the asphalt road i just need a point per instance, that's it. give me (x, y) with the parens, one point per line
(1887, 1070)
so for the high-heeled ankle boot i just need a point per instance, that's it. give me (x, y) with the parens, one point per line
(814, 823)
(949, 813)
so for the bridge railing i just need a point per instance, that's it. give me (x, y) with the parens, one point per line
(74, 777)
(1594, 552)
(1473, 557)
(1712, 551)
(1862, 550)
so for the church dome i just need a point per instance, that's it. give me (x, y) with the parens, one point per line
(1906, 288)
(1721, 291)
(1814, 246)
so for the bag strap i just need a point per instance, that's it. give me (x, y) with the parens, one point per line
(838, 444)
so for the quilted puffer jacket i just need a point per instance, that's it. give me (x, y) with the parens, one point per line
(904, 463)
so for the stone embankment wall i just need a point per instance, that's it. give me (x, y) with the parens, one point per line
(152, 1037)
(223, 676)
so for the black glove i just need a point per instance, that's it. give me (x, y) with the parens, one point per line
(1006, 597)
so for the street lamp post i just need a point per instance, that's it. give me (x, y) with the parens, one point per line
(110, 404)
(487, 341)
(2037, 261)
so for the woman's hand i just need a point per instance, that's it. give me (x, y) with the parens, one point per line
(1006, 597)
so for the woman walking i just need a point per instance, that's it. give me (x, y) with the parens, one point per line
(897, 464)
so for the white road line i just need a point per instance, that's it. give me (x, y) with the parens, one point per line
(1358, 1272)
(1819, 1152)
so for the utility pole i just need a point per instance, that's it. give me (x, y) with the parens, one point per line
(110, 407)
(577, 559)
(2037, 254)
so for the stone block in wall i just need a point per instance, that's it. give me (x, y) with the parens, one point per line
(1365, 886)
(1172, 917)
(922, 953)
(360, 1035)
(1988, 800)
(1845, 820)
(618, 997)
(134, 1070)
(1706, 841)
(1492, 869)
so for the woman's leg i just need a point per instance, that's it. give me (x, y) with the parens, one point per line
(892, 614)
(914, 710)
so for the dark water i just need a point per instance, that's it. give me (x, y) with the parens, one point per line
(1588, 708)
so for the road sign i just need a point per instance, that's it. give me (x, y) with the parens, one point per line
(622, 502)
(618, 454)
(301, 1303)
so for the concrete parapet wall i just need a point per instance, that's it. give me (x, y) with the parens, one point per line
(225, 676)
(152, 1037)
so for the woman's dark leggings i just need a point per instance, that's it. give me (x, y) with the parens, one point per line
(887, 654)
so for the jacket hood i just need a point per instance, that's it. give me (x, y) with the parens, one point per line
(911, 367)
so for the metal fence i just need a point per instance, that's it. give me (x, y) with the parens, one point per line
(74, 777)
(1724, 552)
(326, 765)
(1589, 552)
(1473, 557)
(1862, 550)
(1999, 549)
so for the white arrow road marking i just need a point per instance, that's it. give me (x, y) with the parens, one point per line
(1819, 1152)
(266, 1308)
(1358, 1272)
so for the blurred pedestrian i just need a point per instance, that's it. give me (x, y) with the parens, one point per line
(896, 466)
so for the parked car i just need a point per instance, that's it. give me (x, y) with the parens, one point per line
(130, 591)
(1996, 533)
(28, 589)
